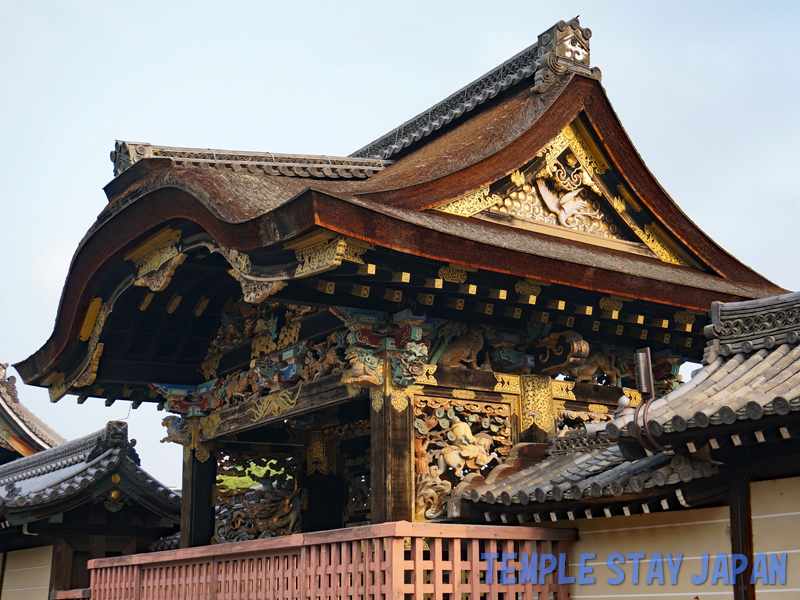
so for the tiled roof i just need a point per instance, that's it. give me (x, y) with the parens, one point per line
(752, 369)
(518, 68)
(170, 542)
(593, 474)
(52, 475)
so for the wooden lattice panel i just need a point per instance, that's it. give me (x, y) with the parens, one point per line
(376, 562)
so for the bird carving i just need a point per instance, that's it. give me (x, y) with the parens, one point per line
(567, 206)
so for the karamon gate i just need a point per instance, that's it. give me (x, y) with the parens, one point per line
(438, 329)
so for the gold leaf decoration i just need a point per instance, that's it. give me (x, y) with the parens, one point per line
(320, 257)
(274, 405)
(537, 402)
(563, 389)
(508, 384)
(634, 395)
(453, 274)
(470, 204)
(375, 396)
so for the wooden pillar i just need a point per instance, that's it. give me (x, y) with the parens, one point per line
(742, 530)
(197, 508)
(391, 458)
(97, 543)
(61, 570)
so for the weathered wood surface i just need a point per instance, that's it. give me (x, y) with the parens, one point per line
(443, 392)
(392, 459)
(311, 396)
(197, 507)
(468, 379)
(587, 393)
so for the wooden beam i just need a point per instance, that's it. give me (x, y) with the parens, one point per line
(312, 395)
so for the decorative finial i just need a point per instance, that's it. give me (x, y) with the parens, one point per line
(564, 47)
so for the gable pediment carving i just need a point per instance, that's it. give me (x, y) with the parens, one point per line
(569, 190)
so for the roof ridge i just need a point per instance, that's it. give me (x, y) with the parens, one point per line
(9, 396)
(126, 154)
(563, 47)
(750, 325)
(51, 459)
(114, 435)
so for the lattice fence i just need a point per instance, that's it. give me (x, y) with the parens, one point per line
(376, 562)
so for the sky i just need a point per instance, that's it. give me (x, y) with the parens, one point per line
(706, 91)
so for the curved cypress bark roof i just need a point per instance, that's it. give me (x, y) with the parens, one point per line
(22, 432)
(490, 131)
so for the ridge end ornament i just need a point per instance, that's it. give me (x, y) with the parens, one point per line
(561, 48)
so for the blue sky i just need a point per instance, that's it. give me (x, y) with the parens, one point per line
(705, 90)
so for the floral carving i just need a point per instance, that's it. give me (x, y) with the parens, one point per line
(158, 280)
(537, 402)
(411, 364)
